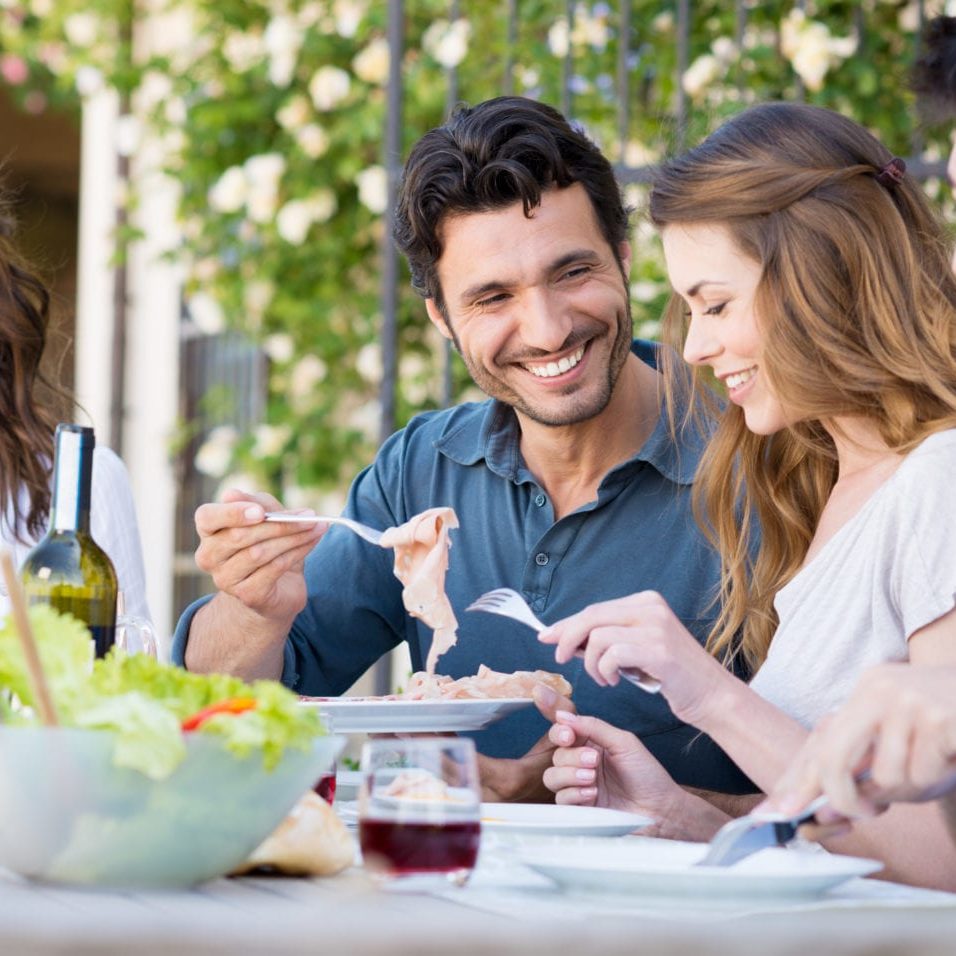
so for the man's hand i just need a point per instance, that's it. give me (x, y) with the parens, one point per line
(520, 781)
(257, 567)
(256, 562)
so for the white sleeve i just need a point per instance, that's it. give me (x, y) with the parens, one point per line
(924, 565)
(115, 529)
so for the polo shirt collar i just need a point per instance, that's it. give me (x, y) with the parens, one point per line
(492, 434)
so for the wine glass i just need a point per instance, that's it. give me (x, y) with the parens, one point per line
(420, 809)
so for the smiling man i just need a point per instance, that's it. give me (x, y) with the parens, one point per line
(568, 484)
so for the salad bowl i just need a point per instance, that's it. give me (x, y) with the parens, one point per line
(70, 815)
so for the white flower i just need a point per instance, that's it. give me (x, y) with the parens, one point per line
(328, 87)
(269, 440)
(295, 113)
(205, 269)
(811, 49)
(306, 374)
(313, 140)
(89, 80)
(283, 39)
(700, 74)
(645, 291)
(229, 192)
(590, 30)
(215, 453)
(637, 153)
(371, 64)
(257, 295)
(127, 134)
(175, 110)
(154, 89)
(41, 8)
(250, 484)
(82, 29)
(206, 313)
(559, 37)
(263, 172)
(293, 221)
(527, 76)
(447, 43)
(280, 347)
(663, 22)
(373, 189)
(368, 363)
(243, 50)
(322, 205)
(348, 15)
(264, 169)
(724, 49)
(909, 17)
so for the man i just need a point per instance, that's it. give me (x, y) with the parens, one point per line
(567, 482)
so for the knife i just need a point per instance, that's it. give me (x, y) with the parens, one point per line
(754, 832)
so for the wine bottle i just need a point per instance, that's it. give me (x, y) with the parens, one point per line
(67, 568)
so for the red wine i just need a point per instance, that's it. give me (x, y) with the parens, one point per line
(420, 847)
(325, 787)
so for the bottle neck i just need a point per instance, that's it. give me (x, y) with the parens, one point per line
(72, 479)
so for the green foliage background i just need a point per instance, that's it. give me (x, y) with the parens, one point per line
(319, 299)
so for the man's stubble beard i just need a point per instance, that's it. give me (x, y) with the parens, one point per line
(497, 389)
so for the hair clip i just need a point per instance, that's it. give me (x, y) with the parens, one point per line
(891, 174)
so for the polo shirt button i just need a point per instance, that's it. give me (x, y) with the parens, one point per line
(540, 500)
(541, 559)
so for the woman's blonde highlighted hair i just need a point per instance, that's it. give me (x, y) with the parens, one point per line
(857, 306)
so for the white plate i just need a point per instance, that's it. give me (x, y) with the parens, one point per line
(364, 715)
(665, 868)
(548, 819)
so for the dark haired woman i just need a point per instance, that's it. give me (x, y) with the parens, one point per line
(26, 438)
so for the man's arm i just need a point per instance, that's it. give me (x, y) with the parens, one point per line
(257, 567)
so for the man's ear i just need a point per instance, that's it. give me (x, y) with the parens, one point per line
(438, 320)
(624, 255)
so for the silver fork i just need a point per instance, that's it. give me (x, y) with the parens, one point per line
(362, 530)
(510, 603)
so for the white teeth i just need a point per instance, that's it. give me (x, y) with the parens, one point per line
(738, 378)
(557, 368)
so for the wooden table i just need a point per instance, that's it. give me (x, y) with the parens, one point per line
(347, 915)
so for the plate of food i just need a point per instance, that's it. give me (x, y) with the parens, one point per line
(378, 715)
(437, 703)
(550, 819)
(647, 866)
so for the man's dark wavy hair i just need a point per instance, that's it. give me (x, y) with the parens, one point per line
(486, 157)
(934, 72)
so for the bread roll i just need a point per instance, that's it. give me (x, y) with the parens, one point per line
(310, 841)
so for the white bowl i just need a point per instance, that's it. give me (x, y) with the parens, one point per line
(70, 816)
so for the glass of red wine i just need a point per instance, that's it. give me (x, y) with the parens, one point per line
(325, 785)
(420, 809)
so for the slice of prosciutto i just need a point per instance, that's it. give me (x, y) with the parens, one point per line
(421, 561)
(487, 683)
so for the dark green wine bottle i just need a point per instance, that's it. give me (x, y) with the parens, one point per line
(67, 569)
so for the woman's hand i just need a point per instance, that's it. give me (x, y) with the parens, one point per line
(641, 631)
(599, 765)
(899, 725)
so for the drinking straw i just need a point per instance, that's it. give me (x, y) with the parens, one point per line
(41, 690)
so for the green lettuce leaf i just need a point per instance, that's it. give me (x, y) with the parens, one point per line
(144, 701)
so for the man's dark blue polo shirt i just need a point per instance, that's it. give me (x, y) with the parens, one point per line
(639, 534)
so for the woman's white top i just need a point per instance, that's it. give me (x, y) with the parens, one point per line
(889, 571)
(112, 524)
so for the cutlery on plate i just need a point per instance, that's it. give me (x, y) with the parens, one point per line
(362, 530)
(511, 604)
(753, 832)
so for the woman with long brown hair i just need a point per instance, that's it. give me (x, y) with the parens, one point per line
(27, 424)
(812, 280)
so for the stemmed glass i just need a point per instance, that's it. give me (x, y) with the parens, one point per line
(420, 809)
